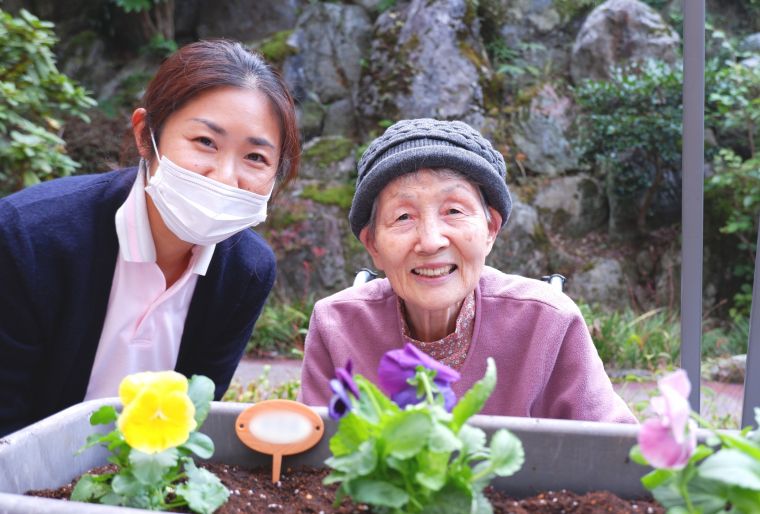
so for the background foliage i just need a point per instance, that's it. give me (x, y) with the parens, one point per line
(34, 97)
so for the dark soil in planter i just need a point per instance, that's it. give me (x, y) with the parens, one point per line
(300, 491)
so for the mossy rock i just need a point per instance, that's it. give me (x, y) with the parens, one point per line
(276, 49)
(340, 195)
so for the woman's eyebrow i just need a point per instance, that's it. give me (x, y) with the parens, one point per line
(256, 141)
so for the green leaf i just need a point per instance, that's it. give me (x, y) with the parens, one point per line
(454, 498)
(151, 468)
(473, 400)
(201, 392)
(126, 485)
(656, 478)
(636, 456)
(104, 415)
(370, 400)
(432, 470)
(203, 491)
(507, 453)
(706, 497)
(442, 439)
(407, 433)
(360, 463)
(352, 431)
(473, 439)
(732, 467)
(200, 444)
(377, 492)
(88, 489)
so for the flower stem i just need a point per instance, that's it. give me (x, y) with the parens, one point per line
(427, 385)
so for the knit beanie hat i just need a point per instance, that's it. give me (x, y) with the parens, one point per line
(410, 145)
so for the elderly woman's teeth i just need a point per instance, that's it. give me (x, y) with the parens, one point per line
(434, 272)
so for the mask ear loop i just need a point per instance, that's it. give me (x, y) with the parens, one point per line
(155, 148)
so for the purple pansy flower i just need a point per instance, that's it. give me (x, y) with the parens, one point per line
(668, 440)
(398, 366)
(342, 385)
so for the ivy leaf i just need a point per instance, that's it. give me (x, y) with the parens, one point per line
(200, 444)
(203, 491)
(507, 453)
(377, 492)
(407, 433)
(150, 468)
(201, 392)
(473, 400)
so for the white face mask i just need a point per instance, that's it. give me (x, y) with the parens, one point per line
(200, 210)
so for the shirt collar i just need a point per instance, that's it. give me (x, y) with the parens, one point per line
(134, 234)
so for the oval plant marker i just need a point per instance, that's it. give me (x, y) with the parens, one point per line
(277, 428)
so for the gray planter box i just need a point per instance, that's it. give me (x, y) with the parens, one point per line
(574, 455)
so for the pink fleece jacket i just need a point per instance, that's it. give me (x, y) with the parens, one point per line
(547, 366)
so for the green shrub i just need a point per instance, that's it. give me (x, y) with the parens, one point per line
(281, 328)
(34, 97)
(638, 109)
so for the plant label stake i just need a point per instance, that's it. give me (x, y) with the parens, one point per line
(277, 428)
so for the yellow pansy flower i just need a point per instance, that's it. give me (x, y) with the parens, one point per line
(158, 413)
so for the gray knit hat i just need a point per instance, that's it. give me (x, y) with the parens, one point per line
(410, 145)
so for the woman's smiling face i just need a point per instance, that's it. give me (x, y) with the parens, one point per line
(431, 237)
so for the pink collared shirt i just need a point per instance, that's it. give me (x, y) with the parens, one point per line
(145, 320)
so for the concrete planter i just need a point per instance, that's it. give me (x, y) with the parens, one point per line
(574, 455)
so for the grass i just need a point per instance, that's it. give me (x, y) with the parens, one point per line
(281, 328)
(262, 389)
(651, 340)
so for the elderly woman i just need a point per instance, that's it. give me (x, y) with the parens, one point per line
(430, 200)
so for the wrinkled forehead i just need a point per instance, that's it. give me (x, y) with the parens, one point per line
(449, 179)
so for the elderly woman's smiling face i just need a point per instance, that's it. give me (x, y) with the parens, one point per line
(431, 236)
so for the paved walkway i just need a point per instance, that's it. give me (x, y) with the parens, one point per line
(721, 403)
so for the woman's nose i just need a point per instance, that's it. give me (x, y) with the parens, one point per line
(224, 171)
(431, 237)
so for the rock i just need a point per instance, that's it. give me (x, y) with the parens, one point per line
(329, 158)
(751, 43)
(541, 137)
(727, 370)
(572, 206)
(425, 61)
(620, 32)
(521, 245)
(603, 283)
(246, 20)
(331, 41)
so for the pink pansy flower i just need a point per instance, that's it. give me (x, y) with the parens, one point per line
(668, 440)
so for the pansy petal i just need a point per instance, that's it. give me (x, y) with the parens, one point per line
(660, 448)
(678, 381)
(406, 397)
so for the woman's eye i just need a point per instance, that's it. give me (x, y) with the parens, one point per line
(453, 211)
(403, 217)
(255, 157)
(205, 141)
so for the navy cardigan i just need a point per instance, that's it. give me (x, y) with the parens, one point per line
(58, 250)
